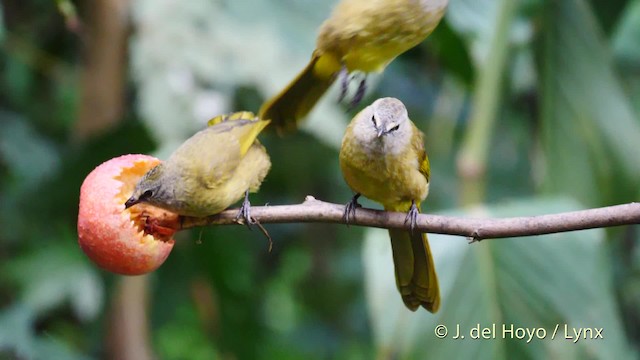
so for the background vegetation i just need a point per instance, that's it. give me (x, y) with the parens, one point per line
(529, 106)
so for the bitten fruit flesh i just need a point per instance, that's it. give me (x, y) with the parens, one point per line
(130, 241)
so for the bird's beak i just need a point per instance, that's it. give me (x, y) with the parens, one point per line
(132, 201)
(381, 131)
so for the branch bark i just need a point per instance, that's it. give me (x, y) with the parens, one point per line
(476, 229)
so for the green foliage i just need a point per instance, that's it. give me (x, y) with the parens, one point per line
(587, 120)
(182, 336)
(555, 84)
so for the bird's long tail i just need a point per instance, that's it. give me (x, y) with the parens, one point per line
(296, 100)
(415, 271)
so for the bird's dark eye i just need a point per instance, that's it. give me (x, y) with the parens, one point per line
(146, 195)
(373, 119)
(394, 128)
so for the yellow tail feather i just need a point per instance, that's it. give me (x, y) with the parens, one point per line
(416, 276)
(251, 135)
(300, 96)
(246, 125)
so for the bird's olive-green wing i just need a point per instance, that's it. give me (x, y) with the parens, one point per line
(418, 146)
(240, 115)
(213, 154)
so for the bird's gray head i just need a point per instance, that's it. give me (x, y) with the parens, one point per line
(149, 188)
(385, 122)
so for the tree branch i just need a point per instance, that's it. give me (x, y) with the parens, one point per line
(476, 229)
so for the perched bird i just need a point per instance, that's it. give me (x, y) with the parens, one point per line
(210, 171)
(383, 158)
(360, 35)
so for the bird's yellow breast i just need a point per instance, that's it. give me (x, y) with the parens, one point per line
(391, 179)
(366, 35)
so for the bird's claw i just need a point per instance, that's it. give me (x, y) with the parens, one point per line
(244, 214)
(412, 216)
(350, 209)
(343, 75)
(345, 79)
(362, 88)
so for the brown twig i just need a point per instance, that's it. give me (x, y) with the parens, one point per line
(316, 211)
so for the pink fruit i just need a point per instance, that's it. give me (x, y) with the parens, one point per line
(130, 241)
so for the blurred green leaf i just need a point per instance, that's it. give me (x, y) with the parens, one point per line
(183, 337)
(29, 159)
(282, 312)
(29, 156)
(608, 12)
(587, 120)
(19, 341)
(627, 52)
(625, 38)
(67, 9)
(16, 334)
(536, 282)
(452, 51)
(55, 274)
(2, 28)
(476, 21)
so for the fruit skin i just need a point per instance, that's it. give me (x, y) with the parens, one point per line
(112, 236)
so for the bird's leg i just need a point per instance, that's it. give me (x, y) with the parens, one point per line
(362, 88)
(245, 214)
(343, 75)
(412, 216)
(350, 209)
(245, 211)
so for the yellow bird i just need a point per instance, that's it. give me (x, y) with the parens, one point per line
(383, 158)
(360, 35)
(210, 171)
